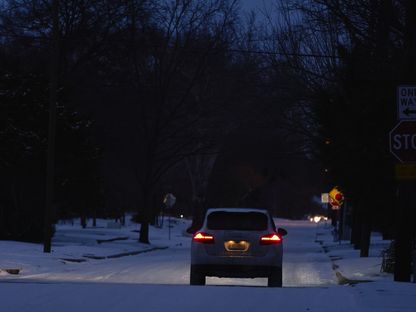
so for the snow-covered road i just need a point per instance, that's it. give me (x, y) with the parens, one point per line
(158, 280)
(305, 264)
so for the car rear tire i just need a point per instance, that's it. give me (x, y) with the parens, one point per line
(197, 277)
(275, 278)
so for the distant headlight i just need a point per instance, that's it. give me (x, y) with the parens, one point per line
(318, 219)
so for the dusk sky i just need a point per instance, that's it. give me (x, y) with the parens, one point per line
(253, 4)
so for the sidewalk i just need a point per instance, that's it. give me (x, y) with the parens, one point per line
(347, 264)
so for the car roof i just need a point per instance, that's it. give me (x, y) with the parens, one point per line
(230, 209)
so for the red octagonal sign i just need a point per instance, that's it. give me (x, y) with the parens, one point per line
(403, 141)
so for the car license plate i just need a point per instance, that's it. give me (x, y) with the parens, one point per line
(236, 245)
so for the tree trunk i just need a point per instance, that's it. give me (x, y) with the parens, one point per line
(144, 232)
(83, 220)
(94, 215)
(94, 218)
(356, 227)
(387, 218)
(198, 213)
(365, 238)
(145, 214)
(334, 218)
(123, 218)
(403, 240)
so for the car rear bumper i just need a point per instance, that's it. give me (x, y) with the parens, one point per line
(199, 256)
(243, 271)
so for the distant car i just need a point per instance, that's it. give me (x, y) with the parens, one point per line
(237, 242)
(317, 218)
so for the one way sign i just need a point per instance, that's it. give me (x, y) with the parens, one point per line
(406, 102)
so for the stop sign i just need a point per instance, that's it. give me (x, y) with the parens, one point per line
(403, 141)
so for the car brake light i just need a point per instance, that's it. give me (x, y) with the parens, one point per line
(270, 239)
(203, 238)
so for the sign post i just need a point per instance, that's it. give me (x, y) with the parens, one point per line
(403, 147)
(336, 198)
(169, 201)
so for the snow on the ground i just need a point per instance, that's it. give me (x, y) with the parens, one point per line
(348, 262)
(73, 246)
(158, 280)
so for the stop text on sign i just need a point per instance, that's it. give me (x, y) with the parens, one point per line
(403, 141)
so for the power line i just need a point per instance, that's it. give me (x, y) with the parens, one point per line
(193, 50)
(285, 53)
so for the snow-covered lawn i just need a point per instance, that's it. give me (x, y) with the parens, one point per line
(82, 274)
(72, 244)
(88, 254)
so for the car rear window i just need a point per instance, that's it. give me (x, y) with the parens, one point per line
(239, 221)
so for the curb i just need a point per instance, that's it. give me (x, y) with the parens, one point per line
(133, 253)
(342, 280)
(120, 255)
(124, 254)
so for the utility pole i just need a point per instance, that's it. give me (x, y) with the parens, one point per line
(53, 97)
(406, 203)
(403, 239)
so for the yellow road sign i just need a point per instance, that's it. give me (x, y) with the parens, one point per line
(405, 171)
(335, 198)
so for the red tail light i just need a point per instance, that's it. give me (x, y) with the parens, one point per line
(203, 238)
(270, 239)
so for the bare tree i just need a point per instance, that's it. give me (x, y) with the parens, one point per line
(169, 60)
(348, 56)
